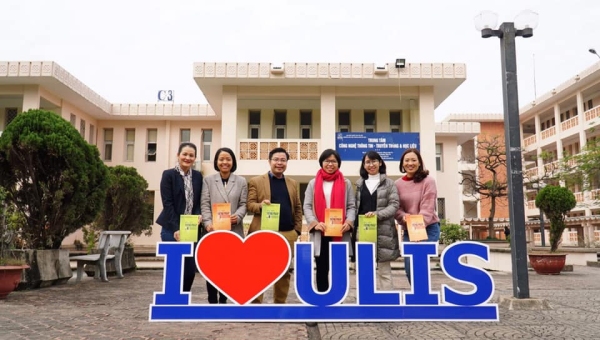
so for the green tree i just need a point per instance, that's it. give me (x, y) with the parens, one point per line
(53, 176)
(451, 232)
(555, 202)
(583, 169)
(126, 205)
(491, 182)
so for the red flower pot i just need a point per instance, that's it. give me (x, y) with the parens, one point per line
(10, 276)
(547, 263)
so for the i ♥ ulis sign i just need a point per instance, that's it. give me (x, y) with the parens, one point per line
(244, 268)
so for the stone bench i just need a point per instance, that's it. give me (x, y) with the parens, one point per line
(108, 241)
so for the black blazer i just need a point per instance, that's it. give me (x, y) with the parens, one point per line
(172, 193)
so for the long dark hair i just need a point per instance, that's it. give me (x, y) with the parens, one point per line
(421, 172)
(373, 155)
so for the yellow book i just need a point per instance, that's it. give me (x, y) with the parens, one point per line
(188, 228)
(367, 228)
(416, 228)
(333, 222)
(269, 217)
(221, 214)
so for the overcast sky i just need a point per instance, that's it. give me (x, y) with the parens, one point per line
(126, 50)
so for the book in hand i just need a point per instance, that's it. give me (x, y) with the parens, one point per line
(221, 215)
(188, 228)
(416, 228)
(333, 222)
(269, 217)
(367, 228)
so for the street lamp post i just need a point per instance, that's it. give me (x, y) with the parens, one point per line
(507, 32)
(593, 51)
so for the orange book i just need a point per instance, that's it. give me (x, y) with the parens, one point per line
(333, 222)
(416, 228)
(221, 214)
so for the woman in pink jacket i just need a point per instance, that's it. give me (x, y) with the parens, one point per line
(418, 196)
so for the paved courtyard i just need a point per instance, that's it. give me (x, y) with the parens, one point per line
(119, 310)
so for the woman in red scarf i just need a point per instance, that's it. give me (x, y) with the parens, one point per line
(329, 189)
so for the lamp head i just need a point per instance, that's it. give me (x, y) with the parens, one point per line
(400, 63)
(592, 51)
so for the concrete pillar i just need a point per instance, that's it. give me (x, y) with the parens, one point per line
(229, 118)
(31, 97)
(328, 117)
(426, 131)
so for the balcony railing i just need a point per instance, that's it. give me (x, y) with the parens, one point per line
(299, 149)
(531, 205)
(597, 235)
(531, 172)
(551, 167)
(592, 113)
(578, 196)
(569, 123)
(595, 194)
(529, 141)
(549, 132)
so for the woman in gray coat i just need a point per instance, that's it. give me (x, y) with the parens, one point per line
(224, 187)
(377, 195)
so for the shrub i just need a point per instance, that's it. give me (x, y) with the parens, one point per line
(450, 233)
(53, 177)
(556, 202)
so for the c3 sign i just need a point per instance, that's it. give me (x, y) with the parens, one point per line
(244, 268)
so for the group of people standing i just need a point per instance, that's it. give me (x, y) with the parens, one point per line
(185, 192)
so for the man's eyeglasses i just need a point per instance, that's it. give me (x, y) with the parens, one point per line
(279, 160)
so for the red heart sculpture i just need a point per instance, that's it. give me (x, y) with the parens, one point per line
(242, 269)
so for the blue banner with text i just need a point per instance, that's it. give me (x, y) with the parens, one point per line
(390, 145)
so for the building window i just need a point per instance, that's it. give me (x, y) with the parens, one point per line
(206, 143)
(108, 141)
(438, 158)
(305, 124)
(441, 208)
(395, 121)
(344, 120)
(10, 113)
(82, 128)
(184, 136)
(151, 147)
(280, 123)
(369, 120)
(129, 144)
(590, 104)
(254, 124)
(73, 119)
(92, 137)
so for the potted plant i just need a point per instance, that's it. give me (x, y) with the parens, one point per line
(11, 269)
(57, 182)
(556, 202)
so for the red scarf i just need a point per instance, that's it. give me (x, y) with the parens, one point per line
(338, 195)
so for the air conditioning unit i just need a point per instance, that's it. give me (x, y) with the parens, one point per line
(380, 69)
(277, 68)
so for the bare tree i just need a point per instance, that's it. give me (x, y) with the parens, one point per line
(491, 182)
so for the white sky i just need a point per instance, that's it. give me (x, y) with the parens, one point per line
(127, 50)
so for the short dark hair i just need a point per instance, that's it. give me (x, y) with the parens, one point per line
(327, 153)
(278, 150)
(374, 155)
(421, 172)
(186, 144)
(230, 152)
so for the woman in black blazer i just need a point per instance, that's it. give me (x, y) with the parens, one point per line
(180, 190)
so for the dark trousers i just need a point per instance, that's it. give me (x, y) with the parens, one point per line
(214, 295)
(322, 263)
(189, 264)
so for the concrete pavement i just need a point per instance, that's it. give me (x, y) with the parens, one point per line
(119, 310)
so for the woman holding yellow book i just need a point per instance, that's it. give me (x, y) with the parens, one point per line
(418, 196)
(329, 196)
(180, 190)
(377, 197)
(223, 190)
